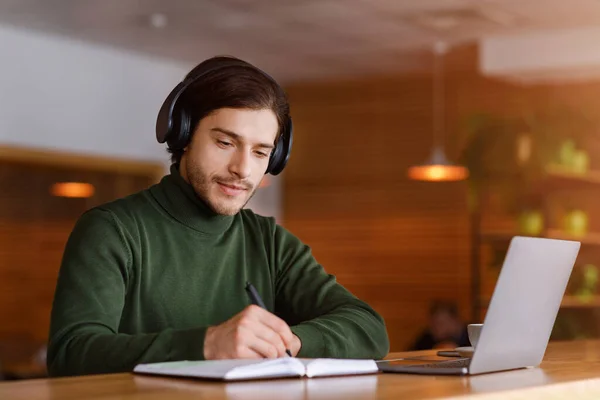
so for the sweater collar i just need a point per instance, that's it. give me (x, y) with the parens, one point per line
(179, 199)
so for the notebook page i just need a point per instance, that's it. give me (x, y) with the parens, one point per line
(281, 367)
(336, 366)
(215, 369)
(225, 369)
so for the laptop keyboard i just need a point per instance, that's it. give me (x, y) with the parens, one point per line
(463, 362)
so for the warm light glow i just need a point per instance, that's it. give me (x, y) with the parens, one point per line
(72, 189)
(437, 173)
(524, 144)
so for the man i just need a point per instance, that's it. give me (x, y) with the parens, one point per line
(445, 331)
(160, 275)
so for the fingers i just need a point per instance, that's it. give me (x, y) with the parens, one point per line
(246, 352)
(253, 333)
(275, 329)
(269, 342)
(278, 325)
(265, 348)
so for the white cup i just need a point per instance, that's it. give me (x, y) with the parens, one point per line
(474, 330)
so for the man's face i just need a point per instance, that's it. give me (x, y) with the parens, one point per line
(228, 156)
(444, 326)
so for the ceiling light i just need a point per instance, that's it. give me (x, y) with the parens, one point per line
(158, 20)
(438, 168)
(72, 190)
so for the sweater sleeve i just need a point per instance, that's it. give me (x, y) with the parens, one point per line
(88, 302)
(329, 320)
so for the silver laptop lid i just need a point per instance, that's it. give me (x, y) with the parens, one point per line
(525, 303)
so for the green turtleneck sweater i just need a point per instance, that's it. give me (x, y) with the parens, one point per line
(144, 276)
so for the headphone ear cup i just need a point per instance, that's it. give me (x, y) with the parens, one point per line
(165, 121)
(273, 160)
(282, 151)
(181, 130)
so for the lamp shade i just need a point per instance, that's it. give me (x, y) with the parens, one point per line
(72, 189)
(438, 169)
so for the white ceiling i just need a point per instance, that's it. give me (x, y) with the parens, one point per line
(296, 39)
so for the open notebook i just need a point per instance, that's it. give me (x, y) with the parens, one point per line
(230, 370)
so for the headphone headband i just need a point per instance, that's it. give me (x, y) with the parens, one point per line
(178, 139)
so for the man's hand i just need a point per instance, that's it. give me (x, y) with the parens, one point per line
(253, 333)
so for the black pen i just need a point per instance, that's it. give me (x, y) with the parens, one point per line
(256, 300)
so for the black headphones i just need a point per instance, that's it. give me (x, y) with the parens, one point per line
(177, 139)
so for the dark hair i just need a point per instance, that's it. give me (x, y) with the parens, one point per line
(440, 306)
(230, 83)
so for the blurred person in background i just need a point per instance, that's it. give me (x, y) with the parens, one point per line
(160, 275)
(445, 329)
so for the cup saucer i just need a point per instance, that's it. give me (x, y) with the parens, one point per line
(465, 351)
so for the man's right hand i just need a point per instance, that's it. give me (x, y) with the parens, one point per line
(253, 333)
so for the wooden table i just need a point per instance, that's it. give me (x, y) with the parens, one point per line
(570, 370)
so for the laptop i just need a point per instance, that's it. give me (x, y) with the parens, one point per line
(521, 314)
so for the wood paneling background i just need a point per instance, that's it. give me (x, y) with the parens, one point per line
(34, 227)
(396, 243)
(393, 242)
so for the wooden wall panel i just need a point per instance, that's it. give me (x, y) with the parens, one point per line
(34, 227)
(396, 243)
(30, 254)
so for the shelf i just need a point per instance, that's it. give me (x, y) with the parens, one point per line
(591, 238)
(568, 301)
(571, 301)
(559, 174)
(539, 189)
(556, 175)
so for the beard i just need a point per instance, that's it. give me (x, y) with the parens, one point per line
(204, 185)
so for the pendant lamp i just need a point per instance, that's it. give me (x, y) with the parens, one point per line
(438, 168)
